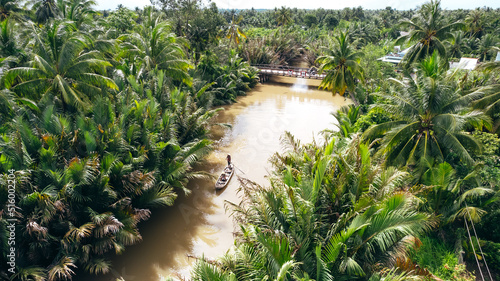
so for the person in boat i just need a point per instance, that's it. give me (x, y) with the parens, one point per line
(228, 158)
(228, 169)
(223, 178)
(313, 71)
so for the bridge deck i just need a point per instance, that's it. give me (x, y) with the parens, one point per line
(291, 71)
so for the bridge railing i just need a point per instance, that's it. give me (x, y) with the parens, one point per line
(285, 70)
(280, 67)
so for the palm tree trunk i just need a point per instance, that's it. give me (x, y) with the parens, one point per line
(353, 98)
(63, 103)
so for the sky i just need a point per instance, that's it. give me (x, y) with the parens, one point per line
(314, 4)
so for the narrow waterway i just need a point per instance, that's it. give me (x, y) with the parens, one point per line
(198, 224)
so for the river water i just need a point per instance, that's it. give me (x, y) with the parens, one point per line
(198, 224)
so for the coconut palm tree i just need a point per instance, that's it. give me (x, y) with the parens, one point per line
(475, 21)
(428, 30)
(457, 45)
(363, 33)
(77, 11)
(231, 79)
(7, 106)
(489, 100)
(341, 64)
(487, 47)
(234, 32)
(12, 52)
(158, 48)
(430, 116)
(62, 67)
(45, 10)
(283, 17)
(9, 8)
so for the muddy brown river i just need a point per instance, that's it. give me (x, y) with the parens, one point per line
(198, 224)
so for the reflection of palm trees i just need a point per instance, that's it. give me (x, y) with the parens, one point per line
(208, 234)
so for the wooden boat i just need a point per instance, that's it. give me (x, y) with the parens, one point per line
(228, 173)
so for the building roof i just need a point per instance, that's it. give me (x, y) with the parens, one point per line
(465, 63)
(394, 57)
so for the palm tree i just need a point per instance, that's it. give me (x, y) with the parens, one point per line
(475, 21)
(429, 115)
(8, 46)
(363, 33)
(231, 79)
(428, 30)
(256, 51)
(284, 46)
(487, 47)
(192, 123)
(457, 45)
(446, 196)
(9, 8)
(346, 118)
(489, 100)
(158, 48)
(62, 67)
(77, 11)
(234, 32)
(341, 64)
(283, 17)
(7, 106)
(45, 10)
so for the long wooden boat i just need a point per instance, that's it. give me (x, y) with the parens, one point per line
(228, 173)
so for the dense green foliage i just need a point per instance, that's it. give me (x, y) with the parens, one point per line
(104, 114)
(330, 213)
(424, 135)
(103, 118)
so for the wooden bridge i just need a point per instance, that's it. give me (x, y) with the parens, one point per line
(267, 70)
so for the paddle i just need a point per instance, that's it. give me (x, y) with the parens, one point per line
(238, 168)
